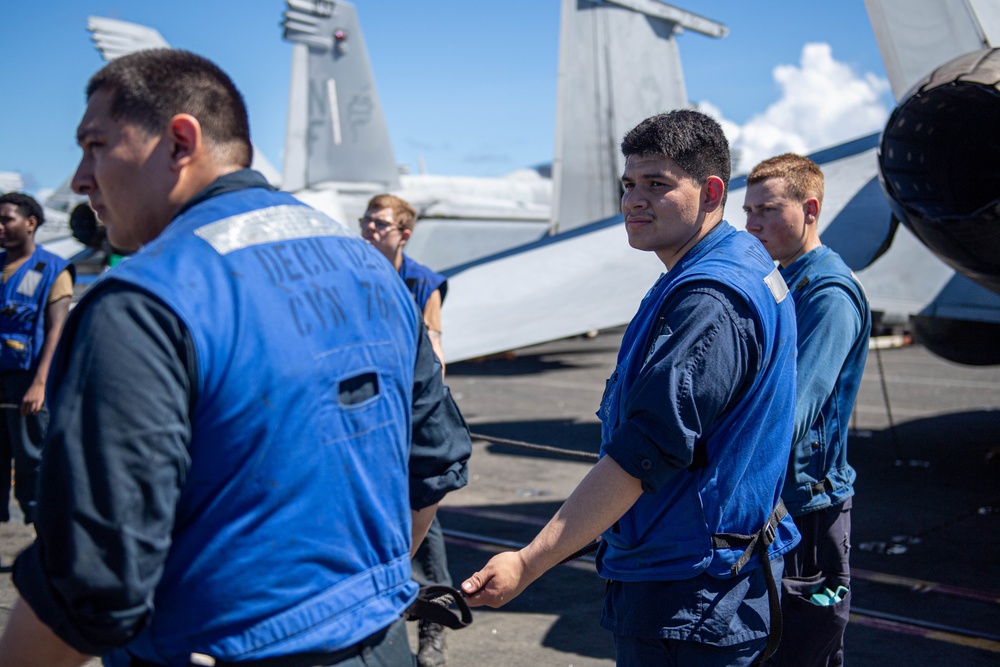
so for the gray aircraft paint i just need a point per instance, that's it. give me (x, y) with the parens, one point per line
(916, 36)
(339, 132)
(516, 289)
(602, 95)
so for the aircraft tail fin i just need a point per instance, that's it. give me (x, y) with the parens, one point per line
(336, 130)
(602, 94)
(917, 36)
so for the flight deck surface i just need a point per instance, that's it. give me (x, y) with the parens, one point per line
(926, 519)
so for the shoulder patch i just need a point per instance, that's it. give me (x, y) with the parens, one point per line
(779, 290)
(30, 282)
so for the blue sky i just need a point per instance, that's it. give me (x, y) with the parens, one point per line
(468, 86)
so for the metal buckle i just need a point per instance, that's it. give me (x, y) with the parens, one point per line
(770, 534)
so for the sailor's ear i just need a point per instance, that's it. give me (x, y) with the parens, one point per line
(811, 208)
(712, 193)
(406, 234)
(186, 141)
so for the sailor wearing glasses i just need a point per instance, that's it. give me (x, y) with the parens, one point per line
(387, 225)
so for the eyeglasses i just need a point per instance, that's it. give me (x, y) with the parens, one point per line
(381, 226)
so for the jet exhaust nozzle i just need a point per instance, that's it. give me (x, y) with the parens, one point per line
(939, 164)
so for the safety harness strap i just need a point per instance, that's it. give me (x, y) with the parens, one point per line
(823, 486)
(758, 543)
(432, 605)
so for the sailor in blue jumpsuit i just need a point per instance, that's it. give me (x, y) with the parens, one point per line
(34, 302)
(387, 224)
(696, 427)
(250, 420)
(784, 198)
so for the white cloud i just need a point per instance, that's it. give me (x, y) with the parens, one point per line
(823, 102)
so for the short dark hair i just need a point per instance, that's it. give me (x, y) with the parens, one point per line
(693, 140)
(26, 205)
(150, 87)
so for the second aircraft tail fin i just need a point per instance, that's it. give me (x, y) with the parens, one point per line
(336, 130)
(618, 64)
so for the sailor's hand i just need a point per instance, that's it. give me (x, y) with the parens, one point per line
(502, 580)
(33, 399)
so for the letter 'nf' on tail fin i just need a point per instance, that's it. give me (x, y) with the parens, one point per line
(618, 64)
(336, 131)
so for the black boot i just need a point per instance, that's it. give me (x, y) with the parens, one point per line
(431, 652)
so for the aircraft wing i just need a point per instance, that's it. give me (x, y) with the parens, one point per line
(590, 278)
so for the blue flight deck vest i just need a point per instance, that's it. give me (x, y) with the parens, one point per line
(667, 536)
(421, 281)
(292, 531)
(22, 312)
(818, 474)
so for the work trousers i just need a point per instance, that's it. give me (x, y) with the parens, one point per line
(649, 652)
(813, 635)
(430, 563)
(21, 440)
